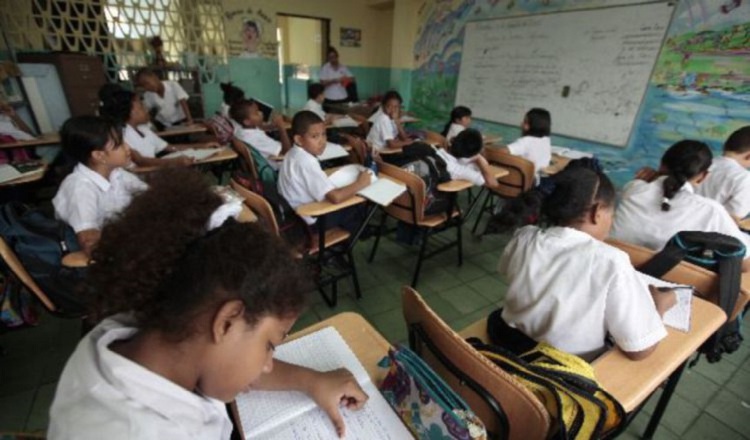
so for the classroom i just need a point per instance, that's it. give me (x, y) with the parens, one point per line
(374, 219)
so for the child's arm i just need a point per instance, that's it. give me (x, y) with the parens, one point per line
(663, 300)
(280, 123)
(88, 239)
(484, 167)
(330, 389)
(345, 193)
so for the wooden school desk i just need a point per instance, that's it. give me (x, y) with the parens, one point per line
(632, 382)
(224, 155)
(745, 224)
(34, 176)
(456, 186)
(43, 140)
(557, 164)
(367, 344)
(182, 130)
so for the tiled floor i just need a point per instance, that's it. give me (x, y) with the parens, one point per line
(711, 402)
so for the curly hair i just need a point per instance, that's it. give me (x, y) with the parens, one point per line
(157, 260)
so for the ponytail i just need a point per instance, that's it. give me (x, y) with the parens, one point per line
(457, 113)
(682, 162)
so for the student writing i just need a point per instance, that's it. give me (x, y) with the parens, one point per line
(658, 204)
(193, 317)
(567, 287)
(728, 180)
(99, 187)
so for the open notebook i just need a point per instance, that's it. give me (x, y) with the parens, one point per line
(677, 317)
(333, 151)
(274, 415)
(198, 155)
(10, 172)
(344, 122)
(380, 191)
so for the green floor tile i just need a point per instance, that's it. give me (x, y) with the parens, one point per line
(638, 427)
(696, 388)
(307, 319)
(468, 272)
(381, 298)
(490, 287)
(20, 373)
(14, 410)
(740, 356)
(443, 308)
(731, 409)
(38, 418)
(391, 325)
(465, 299)
(679, 415)
(346, 303)
(707, 427)
(718, 372)
(740, 383)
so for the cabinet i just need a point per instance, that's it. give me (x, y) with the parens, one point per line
(81, 76)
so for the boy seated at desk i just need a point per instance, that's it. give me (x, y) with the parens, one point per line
(167, 98)
(386, 132)
(464, 161)
(302, 180)
(247, 114)
(728, 180)
(126, 107)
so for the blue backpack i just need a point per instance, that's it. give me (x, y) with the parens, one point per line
(40, 243)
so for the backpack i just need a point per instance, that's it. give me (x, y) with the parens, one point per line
(222, 128)
(40, 243)
(421, 159)
(721, 254)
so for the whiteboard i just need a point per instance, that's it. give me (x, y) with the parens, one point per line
(589, 68)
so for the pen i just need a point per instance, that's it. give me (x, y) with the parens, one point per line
(667, 289)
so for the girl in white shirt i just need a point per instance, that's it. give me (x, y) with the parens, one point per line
(386, 132)
(567, 287)
(127, 108)
(535, 144)
(167, 98)
(464, 161)
(658, 205)
(728, 180)
(99, 187)
(194, 314)
(460, 121)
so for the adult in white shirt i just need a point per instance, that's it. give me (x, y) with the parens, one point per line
(193, 331)
(654, 207)
(167, 97)
(535, 145)
(335, 77)
(99, 187)
(728, 180)
(568, 288)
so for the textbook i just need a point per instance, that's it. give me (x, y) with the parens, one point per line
(198, 155)
(332, 151)
(285, 415)
(678, 316)
(381, 191)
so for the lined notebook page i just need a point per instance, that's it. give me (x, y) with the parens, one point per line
(271, 415)
(678, 316)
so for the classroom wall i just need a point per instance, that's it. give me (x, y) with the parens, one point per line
(699, 89)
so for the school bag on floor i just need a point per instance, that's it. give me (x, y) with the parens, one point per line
(40, 242)
(719, 253)
(422, 159)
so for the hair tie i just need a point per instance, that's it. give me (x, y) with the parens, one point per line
(666, 201)
(231, 207)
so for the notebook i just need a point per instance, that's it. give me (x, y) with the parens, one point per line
(10, 172)
(678, 317)
(380, 191)
(344, 121)
(198, 155)
(333, 151)
(274, 415)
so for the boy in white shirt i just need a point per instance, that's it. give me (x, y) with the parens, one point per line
(728, 180)
(302, 180)
(464, 161)
(316, 96)
(386, 132)
(99, 187)
(656, 206)
(168, 98)
(246, 114)
(535, 145)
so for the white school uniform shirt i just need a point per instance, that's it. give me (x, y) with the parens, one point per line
(729, 184)
(103, 395)
(169, 110)
(570, 290)
(224, 110)
(461, 169)
(85, 199)
(383, 130)
(334, 91)
(640, 220)
(454, 130)
(143, 140)
(315, 107)
(535, 149)
(262, 142)
(302, 180)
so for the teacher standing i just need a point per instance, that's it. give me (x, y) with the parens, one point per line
(335, 77)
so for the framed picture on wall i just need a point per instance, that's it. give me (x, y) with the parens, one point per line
(351, 37)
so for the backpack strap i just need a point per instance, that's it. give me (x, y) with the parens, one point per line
(664, 261)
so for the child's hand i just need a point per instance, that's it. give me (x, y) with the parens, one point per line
(664, 299)
(278, 120)
(647, 174)
(480, 160)
(333, 389)
(364, 178)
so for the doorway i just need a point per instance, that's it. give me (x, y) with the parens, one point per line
(303, 42)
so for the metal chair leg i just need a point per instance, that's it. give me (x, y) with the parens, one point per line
(481, 212)
(666, 395)
(355, 279)
(377, 238)
(420, 258)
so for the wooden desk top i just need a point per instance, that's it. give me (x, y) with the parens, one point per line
(28, 178)
(179, 130)
(631, 382)
(222, 155)
(44, 140)
(557, 164)
(460, 185)
(491, 139)
(745, 224)
(317, 209)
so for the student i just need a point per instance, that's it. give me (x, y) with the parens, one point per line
(567, 287)
(127, 108)
(728, 180)
(246, 114)
(464, 161)
(193, 316)
(534, 144)
(316, 96)
(302, 180)
(386, 132)
(460, 121)
(99, 187)
(657, 205)
(230, 95)
(168, 98)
